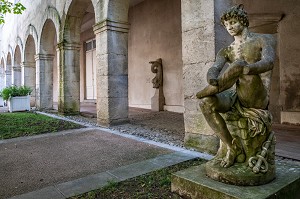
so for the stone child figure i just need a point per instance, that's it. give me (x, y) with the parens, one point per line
(250, 59)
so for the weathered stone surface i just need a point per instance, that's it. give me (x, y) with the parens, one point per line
(195, 123)
(193, 183)
(195, 13)
(112, 111)
(44, 83)
(117, 64)
(198, 46)
(193, 74)
(112, 86)
(238, 174)
(200, 142)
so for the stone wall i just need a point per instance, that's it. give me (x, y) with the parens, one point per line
(155, 32)
(201, 39)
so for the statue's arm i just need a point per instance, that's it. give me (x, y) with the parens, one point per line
(267, 58)
(214, 71)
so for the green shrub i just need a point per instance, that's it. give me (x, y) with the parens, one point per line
(15, 91)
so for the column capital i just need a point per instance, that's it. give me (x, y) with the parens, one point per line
(16, 68)
(8, 72)
(43, 57)
(68, 46)
(105, 25)
(27, 64)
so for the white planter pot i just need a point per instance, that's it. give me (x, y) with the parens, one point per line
(21, 103)
(1, 102)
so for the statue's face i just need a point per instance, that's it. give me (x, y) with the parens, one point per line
(234, 27)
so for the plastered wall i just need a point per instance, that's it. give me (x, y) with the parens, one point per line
(155, 32)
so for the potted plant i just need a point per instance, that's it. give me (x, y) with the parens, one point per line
(17, 97)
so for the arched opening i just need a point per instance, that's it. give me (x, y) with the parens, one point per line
(80, 43)
(2, 74)
(29, 68)
(46, 68)
(151, 37)
(17, 78)
(8, 71)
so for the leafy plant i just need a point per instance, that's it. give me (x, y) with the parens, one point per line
(15, 91)
(8, 7)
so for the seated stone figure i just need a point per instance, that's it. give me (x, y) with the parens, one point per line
(235, 103)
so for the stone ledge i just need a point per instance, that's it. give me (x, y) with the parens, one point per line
(193, 183)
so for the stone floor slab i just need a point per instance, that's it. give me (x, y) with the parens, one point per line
(85, 184)
(133, 170)
(46, 193)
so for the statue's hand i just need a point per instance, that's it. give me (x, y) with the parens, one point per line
(240, 62)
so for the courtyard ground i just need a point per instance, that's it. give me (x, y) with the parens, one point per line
(72, 162)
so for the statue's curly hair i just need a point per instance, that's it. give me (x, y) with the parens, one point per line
(238, 13)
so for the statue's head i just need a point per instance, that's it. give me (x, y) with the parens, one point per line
(238, 13)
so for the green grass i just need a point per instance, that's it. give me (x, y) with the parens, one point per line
(156, 184)
(14, 125)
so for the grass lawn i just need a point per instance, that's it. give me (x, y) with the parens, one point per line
(29, 123)
(156, 184)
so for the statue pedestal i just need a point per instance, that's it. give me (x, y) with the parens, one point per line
(238, 174)
(193, 183)
(158, 100)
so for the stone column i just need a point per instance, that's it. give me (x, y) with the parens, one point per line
(29, 78)
(198, 54)
(112, 72)
(16, 75)
(69, 78)
(44, 81)
(8, 79)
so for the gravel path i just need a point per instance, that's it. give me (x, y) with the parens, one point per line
(165, 127)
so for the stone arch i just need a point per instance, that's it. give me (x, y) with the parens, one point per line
(31, 31)
(95, 5)
(20, 44)
(16, 69)
(118, 10)
(29, 67)
(72, 22)
(46, 65)
(4, 58)
(2, 73)
(8, 67)
(50, 14)
(10, 50)
(71, 59)
(48, 38)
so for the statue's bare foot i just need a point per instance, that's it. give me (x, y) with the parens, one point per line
(221, 152)
(229, 158)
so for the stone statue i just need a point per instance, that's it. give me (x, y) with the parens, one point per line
(156, 67)
(235, 104)
(158, 100)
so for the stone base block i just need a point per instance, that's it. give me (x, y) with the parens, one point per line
(239, 173)
(158, 100)
(193, 183)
